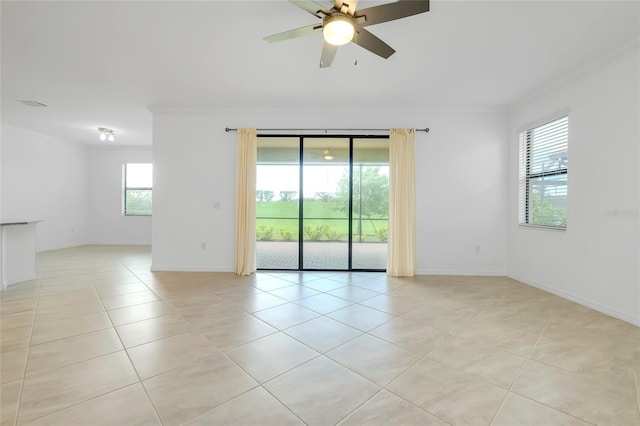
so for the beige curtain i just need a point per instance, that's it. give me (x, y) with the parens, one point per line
(246, 159)
(401, 252)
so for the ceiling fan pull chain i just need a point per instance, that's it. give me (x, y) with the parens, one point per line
(355, 40)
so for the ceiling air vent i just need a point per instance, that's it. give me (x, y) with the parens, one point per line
(34, 104)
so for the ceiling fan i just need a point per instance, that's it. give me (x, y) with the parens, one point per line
(342, 23)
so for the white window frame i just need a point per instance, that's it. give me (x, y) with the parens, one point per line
(530, 167)
(126, 188)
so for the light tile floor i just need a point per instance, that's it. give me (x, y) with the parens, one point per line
(98, 339)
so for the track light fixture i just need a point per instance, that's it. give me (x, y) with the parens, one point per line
(107, 134)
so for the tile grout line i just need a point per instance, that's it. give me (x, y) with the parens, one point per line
(382, 387)
(261, 385)
(527, 358)
(360, 405)
(26, 364)
(453, 334)
(223, 353)
(320, 354)
(24, 377)
(81, 334)
(425, 356)
(403, 398)
(515, 379)
(155, 411)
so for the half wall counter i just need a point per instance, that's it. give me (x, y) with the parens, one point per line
(18, 251)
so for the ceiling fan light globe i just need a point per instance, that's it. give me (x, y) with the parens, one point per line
(338, 30)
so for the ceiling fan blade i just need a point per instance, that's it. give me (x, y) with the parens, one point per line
(298, 32)
(311, 7)
(373, 44)
(328, 53)
(351, 5)
(390, 11)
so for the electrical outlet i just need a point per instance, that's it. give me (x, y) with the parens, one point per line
(477, 248)
(203, 246)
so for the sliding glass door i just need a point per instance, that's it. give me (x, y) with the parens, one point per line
(278, 203)
(322, 203)
(325, 215)
(370, 203)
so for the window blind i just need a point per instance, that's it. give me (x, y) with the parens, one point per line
(543, 174)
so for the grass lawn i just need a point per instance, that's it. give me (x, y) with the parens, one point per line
(278, 220)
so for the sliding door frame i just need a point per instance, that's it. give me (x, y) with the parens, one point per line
(301, 139)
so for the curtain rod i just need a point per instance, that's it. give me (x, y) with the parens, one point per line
(228, 129)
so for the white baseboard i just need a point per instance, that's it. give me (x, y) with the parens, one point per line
(605, 309)
(121, 243)
(183, 268)
(454, 272)
(461, 272)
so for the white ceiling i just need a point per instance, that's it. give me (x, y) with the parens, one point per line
(103, 64)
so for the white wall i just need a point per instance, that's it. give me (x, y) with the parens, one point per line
(107, 223)
(461, 183)
(46, 178)
(596, 260)
(461, 173)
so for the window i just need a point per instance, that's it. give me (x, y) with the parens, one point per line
(543, 174)
(138, 186)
